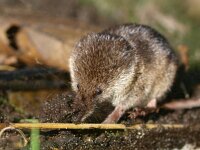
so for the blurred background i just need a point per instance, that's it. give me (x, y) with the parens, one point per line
(178, 20)
(43, 32)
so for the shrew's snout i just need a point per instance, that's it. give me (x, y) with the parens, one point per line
(82, 108)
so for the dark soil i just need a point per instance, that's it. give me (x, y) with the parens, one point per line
(58, 109)
(142, 139)
(9, 114)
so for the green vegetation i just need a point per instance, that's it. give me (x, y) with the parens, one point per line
(177, 20)
(35, 136)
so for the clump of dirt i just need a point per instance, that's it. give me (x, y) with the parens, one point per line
(57, 109)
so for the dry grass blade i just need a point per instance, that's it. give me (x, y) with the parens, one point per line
(92, 126)
(18, 130)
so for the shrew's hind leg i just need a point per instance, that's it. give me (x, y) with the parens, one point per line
(150, 108)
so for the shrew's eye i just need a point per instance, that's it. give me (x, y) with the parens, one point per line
(98, 91)
(78, 86)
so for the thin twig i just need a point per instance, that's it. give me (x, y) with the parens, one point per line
(92, 126)
(182, 104)
(18, 130)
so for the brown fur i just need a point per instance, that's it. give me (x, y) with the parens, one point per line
(130, 64)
